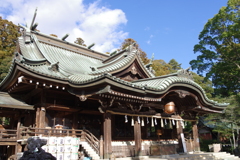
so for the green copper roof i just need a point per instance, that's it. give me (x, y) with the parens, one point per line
(77, 65)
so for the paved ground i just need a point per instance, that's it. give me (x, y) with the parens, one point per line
(189, 156)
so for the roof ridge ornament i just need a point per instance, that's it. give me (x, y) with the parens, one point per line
(34, 26)
(65, 37)
(132, 47)
(185, 73)
(54, 66)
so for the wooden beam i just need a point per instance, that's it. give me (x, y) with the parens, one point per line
(2, 143)
(31, 94)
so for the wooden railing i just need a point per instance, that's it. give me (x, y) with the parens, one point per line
(92, 140)
(26, 132)
(9, 134)
(84, 135)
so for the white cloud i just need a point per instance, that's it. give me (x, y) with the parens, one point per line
(92, 22)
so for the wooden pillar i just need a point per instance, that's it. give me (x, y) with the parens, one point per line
(75, 123)
(137, 137)
(42, 115)
(181, 140)
(107, 130)
(18, 147)
(101, 147)
(37, 117)
(195, 136)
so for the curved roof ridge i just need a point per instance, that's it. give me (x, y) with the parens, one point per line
(144, 66)
(162, 84)
(113, 57)
(120, 57)
(122, 62)
(69, 43)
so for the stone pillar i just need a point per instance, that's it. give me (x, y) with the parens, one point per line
(137, 136)
(107, 130)
(195, 136)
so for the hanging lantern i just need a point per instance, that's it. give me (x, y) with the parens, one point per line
(169, 108)
(147, 120)
(152, 122)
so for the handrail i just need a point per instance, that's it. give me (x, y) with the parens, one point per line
(8, 133)
(93, 141)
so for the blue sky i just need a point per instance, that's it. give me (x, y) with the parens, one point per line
(167, 28)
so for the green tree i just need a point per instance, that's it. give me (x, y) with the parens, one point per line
(80, 41)
(228, 123)
(127, 42)
(205, 84)
(8, 37)
(175, 66)
(220, 49)
(161, 67)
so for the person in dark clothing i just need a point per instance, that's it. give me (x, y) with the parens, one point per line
(35, 152)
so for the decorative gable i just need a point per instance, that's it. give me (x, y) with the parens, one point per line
(132, 73)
